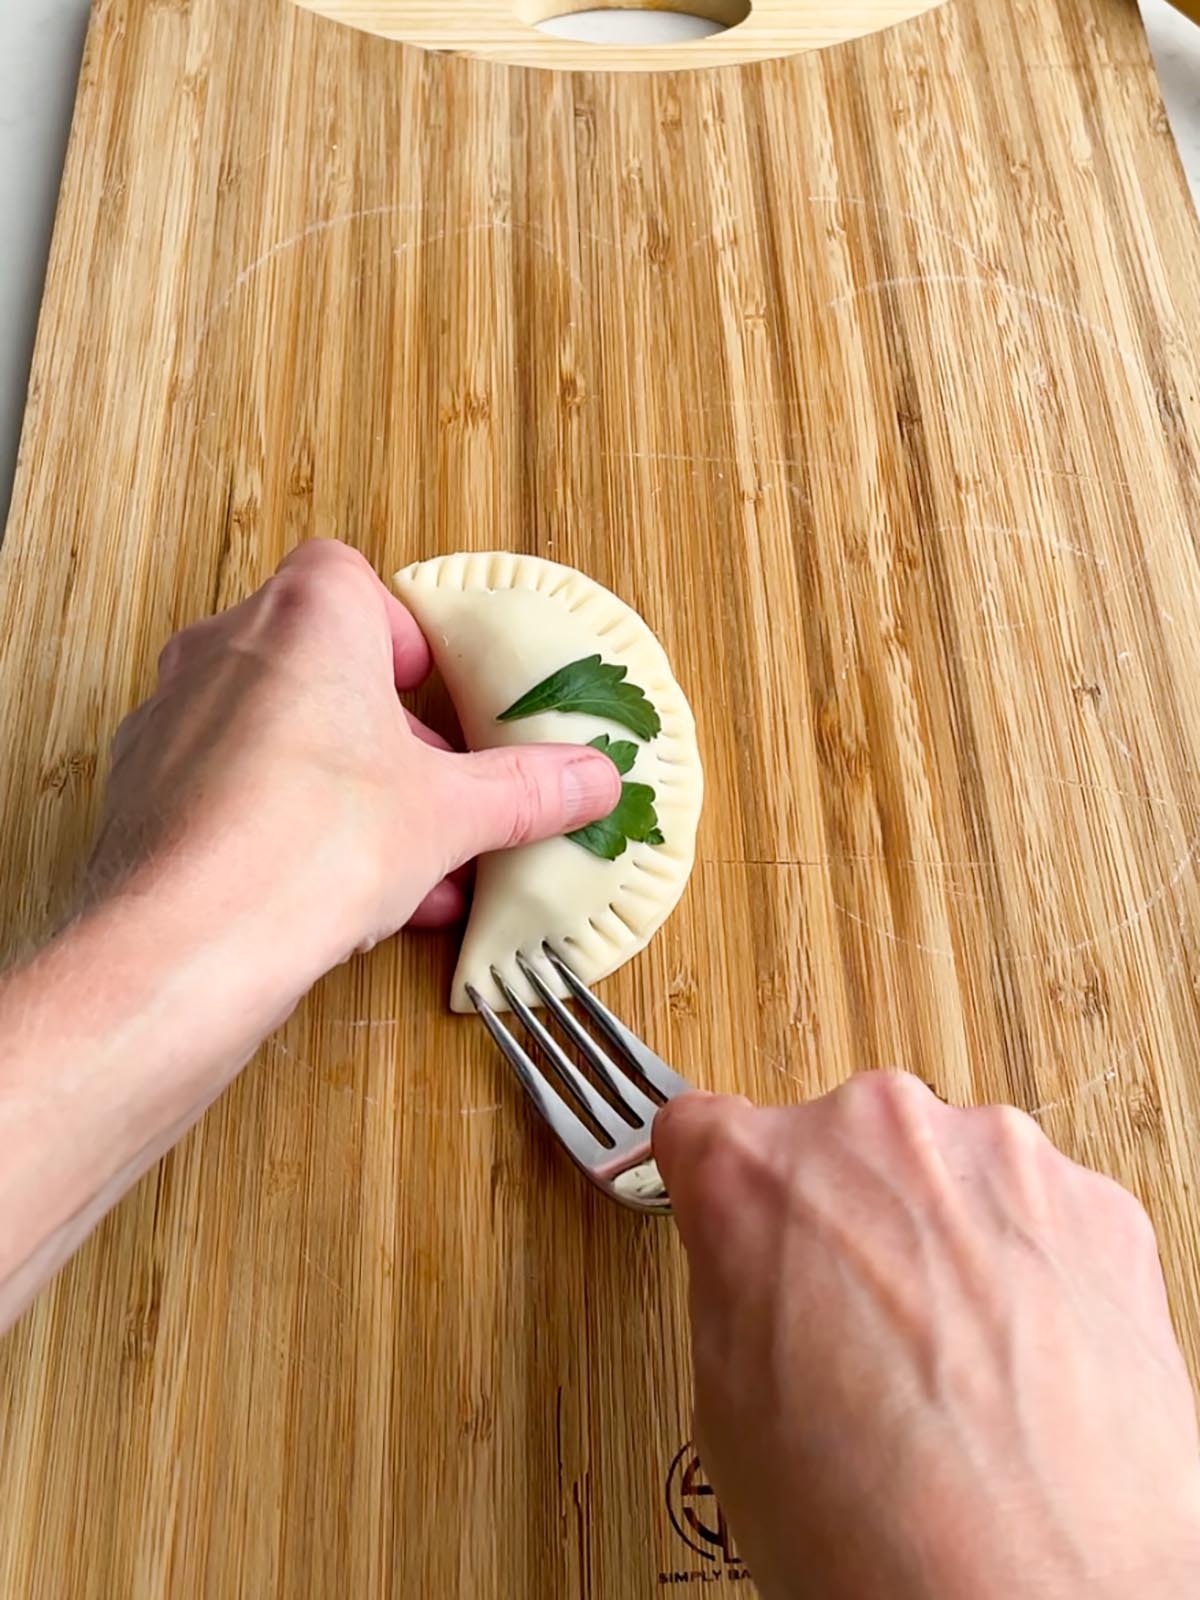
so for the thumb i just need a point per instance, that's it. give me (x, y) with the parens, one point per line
(522, 793)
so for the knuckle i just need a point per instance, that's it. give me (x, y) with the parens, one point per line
(169, 655)
(1132, 1215)
(1118, 1214)
(291, 605)
(122, 738)
(1141, 1225)
(1013, 1132)
(319, 553)
(1011, 1126)
(130, 730)
(294, 590)
(302, 594)
(863, 1089)
(883, 1091)
(175, 652)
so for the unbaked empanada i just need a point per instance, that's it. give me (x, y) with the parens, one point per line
(498, 626)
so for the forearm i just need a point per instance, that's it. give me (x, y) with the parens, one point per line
(45, 1252)
(112, 1042)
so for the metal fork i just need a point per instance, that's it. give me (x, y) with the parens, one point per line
(623, 1166)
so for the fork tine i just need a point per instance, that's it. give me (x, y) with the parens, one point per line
(594, 1104)
(622, 1085)
(586, 1150)
(653, 1068)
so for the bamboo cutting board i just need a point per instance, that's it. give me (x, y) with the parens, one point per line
(868, 376)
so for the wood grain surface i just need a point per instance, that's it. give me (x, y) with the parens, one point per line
(869, 377)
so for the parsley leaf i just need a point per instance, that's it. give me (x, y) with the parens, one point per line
(634, 818)
(621, 752)
(594, 687)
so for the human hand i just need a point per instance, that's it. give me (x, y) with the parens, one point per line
(271, 808)
(933, 1356)
(274, 772)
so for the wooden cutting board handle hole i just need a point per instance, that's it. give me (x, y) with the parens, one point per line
(713, 16)
(507, 31)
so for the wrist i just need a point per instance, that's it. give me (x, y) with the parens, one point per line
(269, 922)
(163, 985)
(199, 978)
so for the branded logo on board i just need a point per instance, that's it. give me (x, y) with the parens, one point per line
(697, 1518)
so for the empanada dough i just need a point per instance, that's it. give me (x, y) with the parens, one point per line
(497, 625)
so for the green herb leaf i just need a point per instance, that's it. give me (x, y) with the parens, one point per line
(621, 752)
(633, 819)
(595, 688)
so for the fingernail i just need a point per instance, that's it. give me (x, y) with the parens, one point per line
(591, 787)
